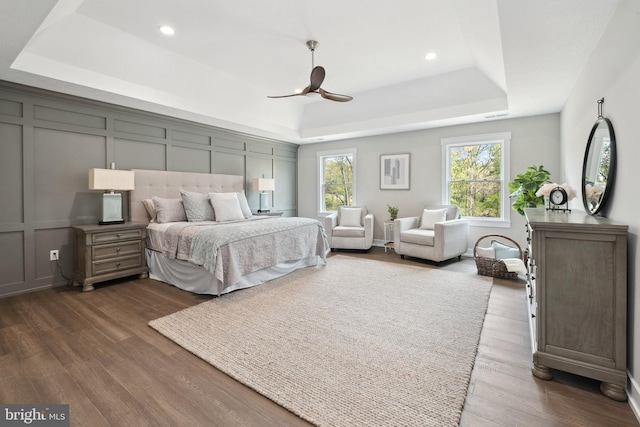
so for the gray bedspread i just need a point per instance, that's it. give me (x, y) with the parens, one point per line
(234, 249)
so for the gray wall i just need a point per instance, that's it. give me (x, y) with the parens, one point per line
(534, 141)
(48, 143)
(612, 73)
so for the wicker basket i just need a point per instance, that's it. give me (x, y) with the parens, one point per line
(495, 267)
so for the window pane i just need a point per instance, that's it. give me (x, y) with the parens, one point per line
(337, 188)
(476, 198)
(475, 179)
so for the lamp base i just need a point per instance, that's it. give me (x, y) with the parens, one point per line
(110, 222)
(264, 202)
(111, 209)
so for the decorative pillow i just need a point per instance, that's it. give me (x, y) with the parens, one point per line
(197, 206)
(244, 205)
(503, 251)
(151, 209)
(350, 217)
(486, 252)
(226, 206)
(169, 210)
(430, 217)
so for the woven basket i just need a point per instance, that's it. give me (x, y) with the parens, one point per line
(495, 267)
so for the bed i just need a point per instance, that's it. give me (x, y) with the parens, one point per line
(222, 254)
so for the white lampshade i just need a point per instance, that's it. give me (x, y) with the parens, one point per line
(111, 179)
(264, 184)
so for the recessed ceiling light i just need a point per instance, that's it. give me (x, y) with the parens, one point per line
(165, 29)
(430, 56)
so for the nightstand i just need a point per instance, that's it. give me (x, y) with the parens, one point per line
(106, 252)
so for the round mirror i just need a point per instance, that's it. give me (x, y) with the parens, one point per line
(598, 168)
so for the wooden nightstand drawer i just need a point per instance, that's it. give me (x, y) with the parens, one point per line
(113, 250)
(117, 264)
(116, 235)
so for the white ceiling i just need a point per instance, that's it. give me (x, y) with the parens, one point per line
(496, 58)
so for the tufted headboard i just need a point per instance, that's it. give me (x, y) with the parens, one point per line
(167, 184)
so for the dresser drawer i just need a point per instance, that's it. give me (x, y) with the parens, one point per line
(116, 264)
(116, 236)
(113, 250)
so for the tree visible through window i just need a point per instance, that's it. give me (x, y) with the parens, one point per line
(336, 181)
(475, 171)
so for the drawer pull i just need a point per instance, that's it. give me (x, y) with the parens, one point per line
(118, 265)
(117, 249)
(118, 235)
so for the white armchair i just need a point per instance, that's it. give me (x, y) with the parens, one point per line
(349, 228)
(437, 235)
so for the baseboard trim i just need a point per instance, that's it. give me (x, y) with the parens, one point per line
(633, 394)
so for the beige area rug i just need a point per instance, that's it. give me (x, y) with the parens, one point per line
(354, 343)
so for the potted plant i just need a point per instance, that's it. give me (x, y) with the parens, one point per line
(393, 211)
(524, 187)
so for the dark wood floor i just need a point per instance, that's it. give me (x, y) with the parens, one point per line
(95, 352)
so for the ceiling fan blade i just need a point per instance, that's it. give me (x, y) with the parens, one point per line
(334, 96)
(317, 77)
(302, 93)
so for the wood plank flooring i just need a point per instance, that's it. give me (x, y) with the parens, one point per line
(95, 352)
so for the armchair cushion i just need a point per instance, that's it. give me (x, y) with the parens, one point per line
(342, 231)
(418, 236)
(350, 217)
(430, 217)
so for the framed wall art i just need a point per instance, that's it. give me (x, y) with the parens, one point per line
(394, 171)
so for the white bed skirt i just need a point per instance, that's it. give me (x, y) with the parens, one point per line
(193, 278)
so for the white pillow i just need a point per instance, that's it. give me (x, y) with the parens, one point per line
(226, 206)
(169, 210)
(350, 217)
(486, 252)
(151, 209)
(430, 217)
(244, 205)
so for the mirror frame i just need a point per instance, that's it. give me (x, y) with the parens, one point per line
(612, 166)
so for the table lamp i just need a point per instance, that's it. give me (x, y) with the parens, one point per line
(111, 180)
(263, 185)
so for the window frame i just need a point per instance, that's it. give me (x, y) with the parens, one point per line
(320, 156)
(503, 138)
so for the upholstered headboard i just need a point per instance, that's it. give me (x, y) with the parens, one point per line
(167, 184)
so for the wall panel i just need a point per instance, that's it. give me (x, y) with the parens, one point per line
(62, 162)
(11, 183)
(185, 159)
(12, 259)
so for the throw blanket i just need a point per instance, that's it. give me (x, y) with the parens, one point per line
(231, 250)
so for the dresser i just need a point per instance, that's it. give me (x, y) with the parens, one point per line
(577, 297)
(106, 252)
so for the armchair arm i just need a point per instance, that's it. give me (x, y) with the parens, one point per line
(400, 225)
(330, 222)
(451, 238)
(368, 229)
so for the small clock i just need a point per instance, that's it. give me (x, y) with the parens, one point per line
(558, 199)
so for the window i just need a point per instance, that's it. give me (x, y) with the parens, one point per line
(337, 179)
(476, 172)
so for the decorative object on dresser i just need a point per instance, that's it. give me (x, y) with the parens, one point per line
(557, 196)
(111, 180)
(494, 260)
(525, 186)
(263, 185)
(106, 252)
(599, 166)
(577, 291)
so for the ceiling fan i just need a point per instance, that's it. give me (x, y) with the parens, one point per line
(317, 77)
